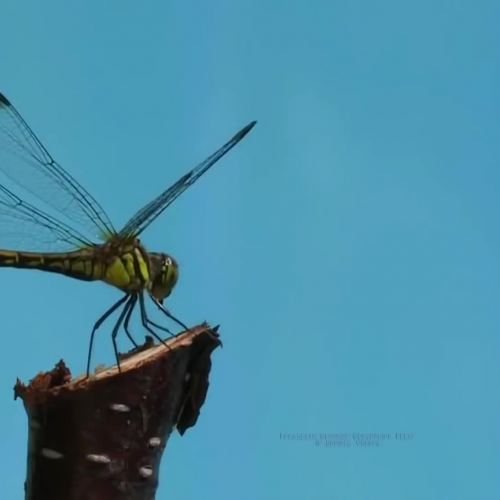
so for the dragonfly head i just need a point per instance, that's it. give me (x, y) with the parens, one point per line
(164, 274)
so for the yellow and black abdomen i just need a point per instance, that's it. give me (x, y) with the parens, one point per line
(126, 268)
(81, 264)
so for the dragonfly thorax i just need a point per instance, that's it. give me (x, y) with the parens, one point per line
(164, 272)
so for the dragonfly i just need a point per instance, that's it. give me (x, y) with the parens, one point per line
(74, 237)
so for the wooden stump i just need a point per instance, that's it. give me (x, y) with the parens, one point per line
(103, 438)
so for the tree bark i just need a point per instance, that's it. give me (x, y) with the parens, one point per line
(103, 438)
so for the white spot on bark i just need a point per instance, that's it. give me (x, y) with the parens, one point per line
(154, 442)
(146, 471)
(52, 454)
(120, 408)
(99, 459)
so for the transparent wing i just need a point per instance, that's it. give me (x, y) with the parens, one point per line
(25, 227)
(144, 217)
(25, 161)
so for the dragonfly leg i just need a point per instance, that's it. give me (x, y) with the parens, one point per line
(165, 311)
(127, 320)
(160, 327)
(99, 322)
(146, 322)
(123, 315)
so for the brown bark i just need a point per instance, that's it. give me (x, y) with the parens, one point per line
(103, 438)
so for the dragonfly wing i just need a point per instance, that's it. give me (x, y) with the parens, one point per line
(25, 161)
(25, 227)
(144, 217)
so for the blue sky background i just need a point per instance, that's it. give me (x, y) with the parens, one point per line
(349, 246)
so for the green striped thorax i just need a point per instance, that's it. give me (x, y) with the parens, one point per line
(164, 273)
